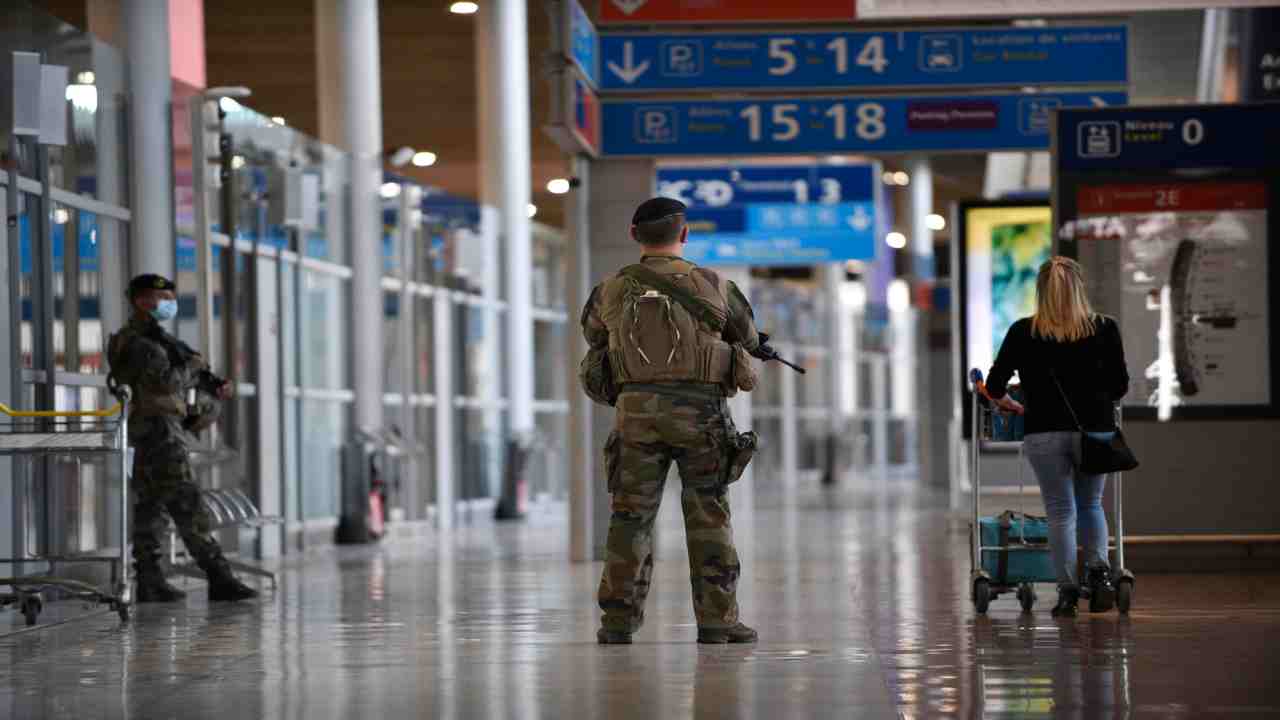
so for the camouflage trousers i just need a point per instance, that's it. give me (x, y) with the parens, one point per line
(164, 482)
(651, 431)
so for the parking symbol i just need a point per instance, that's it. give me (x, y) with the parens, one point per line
(681, 58)
(1033, 114)
(941, 53)
(1098, 139)
(656, 125)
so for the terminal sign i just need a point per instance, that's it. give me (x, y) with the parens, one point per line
(960, 57)
(776, 215)
(1016, 121)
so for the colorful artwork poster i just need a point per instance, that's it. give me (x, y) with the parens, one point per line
(1004, 248)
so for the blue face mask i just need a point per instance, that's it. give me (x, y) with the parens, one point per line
(165, 310)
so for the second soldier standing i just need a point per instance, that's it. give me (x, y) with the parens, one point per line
(669, 342)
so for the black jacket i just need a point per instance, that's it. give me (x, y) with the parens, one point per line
(1092, 373)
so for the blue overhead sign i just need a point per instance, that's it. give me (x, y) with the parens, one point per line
(1165, 138)
(776, 215)
(583, 41)
(962, 57)
(1016, 121)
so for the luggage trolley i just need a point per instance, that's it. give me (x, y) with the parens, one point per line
(984, 587)
(76, 433)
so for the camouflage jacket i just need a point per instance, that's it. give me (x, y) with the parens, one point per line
(140, 357)
(739, 327)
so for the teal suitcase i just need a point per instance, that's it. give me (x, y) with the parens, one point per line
(1025, 558)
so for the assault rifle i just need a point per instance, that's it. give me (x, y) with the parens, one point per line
(181, 353)
(766, 353)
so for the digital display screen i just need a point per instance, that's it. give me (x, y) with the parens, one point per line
(1191, 260)
(1004, 247)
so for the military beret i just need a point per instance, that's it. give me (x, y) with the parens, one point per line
(657, 208)
(150, 281)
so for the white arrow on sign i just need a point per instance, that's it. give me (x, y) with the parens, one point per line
(629, 72)
(629, 6)
(860, 220)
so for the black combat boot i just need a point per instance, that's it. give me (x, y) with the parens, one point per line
(154, 588)
(718, 636)
(223, 584)
(1102, 594)
(1068, 598)
(151, 583)
(605, 636)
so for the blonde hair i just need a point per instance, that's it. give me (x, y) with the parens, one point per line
(1063, 312)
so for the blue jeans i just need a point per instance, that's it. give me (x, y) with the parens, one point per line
(1071, 499)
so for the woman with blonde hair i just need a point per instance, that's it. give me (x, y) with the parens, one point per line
(1070, 361)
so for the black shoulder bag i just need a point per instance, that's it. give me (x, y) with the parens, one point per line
(1099, 457)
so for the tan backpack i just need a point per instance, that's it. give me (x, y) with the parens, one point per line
(667, 328)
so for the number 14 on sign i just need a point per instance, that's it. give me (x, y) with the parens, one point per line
(784, 125)
(783, 56)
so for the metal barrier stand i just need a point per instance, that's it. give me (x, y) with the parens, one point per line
(43, 433)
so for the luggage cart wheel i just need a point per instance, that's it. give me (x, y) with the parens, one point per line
(981, 595)
(1026, 596)
(31, 607)
(1124, 595)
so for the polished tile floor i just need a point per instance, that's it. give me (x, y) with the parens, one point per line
(860, 604)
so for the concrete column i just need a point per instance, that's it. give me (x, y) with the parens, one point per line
(918, 209)
(616, 187)
(150, 131)
(503, 74)
(349, 85)
(1213, 45)
(446, 475)
(582, 444)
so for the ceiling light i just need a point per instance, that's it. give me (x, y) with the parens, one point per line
(558, 186)
(61, 216)
(533, 209)
(887, 177)
(390, 190)
(464, 8)
(228, 104)
(86, 78)
(278, 119)
(896, 240)
(935, 222)
(237, 162)
(423, 158)
(901, 178)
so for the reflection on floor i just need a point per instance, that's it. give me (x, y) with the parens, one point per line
(860, 604)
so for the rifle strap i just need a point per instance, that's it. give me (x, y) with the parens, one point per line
(697, 307)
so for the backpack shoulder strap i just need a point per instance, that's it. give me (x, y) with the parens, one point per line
(697, 307)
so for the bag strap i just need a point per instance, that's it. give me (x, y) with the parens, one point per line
(1065, 401)
(697, 307)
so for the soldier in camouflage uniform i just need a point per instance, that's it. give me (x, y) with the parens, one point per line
(161, 371)
(672, 411)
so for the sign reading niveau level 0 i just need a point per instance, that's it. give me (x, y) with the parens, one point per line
(1165, 138)
(647, 12)
(935, 58)
(776, 215)
(837, 124)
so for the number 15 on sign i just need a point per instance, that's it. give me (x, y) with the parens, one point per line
(784, 125)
